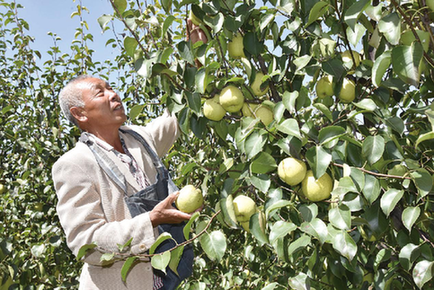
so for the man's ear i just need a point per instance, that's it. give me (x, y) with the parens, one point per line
(79, 114)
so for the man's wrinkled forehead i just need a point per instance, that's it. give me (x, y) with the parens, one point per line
(91, 84)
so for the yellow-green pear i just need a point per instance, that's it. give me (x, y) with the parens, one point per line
(291, 170)
(316, 189)
(213, 110)
(244, 208)
(236, 47)
(348, 91)
(189, 199)
(265, 114)
(324, 87)
(346, 58)
(248, 109)
(246, 226)
(256, 85)
(231, 99)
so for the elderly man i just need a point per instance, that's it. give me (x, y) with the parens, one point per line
(96, 180)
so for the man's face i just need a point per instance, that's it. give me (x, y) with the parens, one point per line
(102, 106)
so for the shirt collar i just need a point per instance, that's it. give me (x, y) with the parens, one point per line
(103, 144)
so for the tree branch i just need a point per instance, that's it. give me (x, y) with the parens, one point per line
(375, 173)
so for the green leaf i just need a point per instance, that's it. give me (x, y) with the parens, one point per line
(129, 263)
(406, 62)
(299, 244)
(381, 64)
(216, 22)
(377, 221)
(130, 44)
(410, 216)
(161, 261)
(214, 245)
(186, 52)
(330, 133)
(334, 67)
(161, 238)
(344, 245)
(302, 61)
(84, 249)
(126, 245)
(299, 282)
(227, 208)
(390, 199)
(424, 137)
(340, 217)
(430, 114)
(38, 250)
(167, 5)
(317, 11)
(316, 228)
(373, 148)
(290, 127)
(252, 43)
(354, 35)
(325, 110)
(319, 160)
(397, 124)
(263, 163)
(161, 69)
(371, 190)
(289, 99)
(167, 24)
(255, 143)
(121, 5)
(367, 105)
(176, 255)
(308, 211)
(194, 101)
(345, 185)
(352, 14)
(200, 80)
(187, 228)
(422, 273)
(135, 111)
(280, 229)
(408, 255)
(276, 205)
(390, 26)
(270, 286)
(226, 165)
(266, 19)
(257, 227)
(261, 182)
(104, 19)
(423, 181)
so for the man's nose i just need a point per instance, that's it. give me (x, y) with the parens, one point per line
(114, 96)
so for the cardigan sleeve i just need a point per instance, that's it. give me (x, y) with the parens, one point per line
(82, 216)
(164, 131)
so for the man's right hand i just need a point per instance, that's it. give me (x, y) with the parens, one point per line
(165, 213)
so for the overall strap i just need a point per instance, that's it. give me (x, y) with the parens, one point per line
(155, 158)
(105, 163)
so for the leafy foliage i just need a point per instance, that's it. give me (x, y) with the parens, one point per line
(375, 230)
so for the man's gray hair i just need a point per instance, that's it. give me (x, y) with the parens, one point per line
(71, 96)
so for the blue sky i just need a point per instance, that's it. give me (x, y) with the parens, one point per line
(45, 16)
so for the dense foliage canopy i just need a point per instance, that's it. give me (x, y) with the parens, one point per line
(371, 132)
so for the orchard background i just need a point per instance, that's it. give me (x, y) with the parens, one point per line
(376, 230)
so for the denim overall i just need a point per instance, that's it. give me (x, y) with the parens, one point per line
(145, 200)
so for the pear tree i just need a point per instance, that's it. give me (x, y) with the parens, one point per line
(360, 218)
